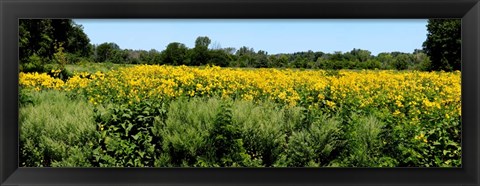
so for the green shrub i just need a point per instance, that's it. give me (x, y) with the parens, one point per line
(316, 145)
(201, 133)
(125, 135)
(225, 141)
(34, 64)
(25, 96)
(263, 130)
(185, 131)
(438, 143)
(364, 144)
(56, 71)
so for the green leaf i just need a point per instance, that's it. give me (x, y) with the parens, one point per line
(146, 112)
(130, 126)
(136, 136)
(127, 116)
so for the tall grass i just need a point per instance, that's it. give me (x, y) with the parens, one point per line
(271, 136)
(92, 67)
(364, 143)
(185, 131)
(55, 130)
(58, 130)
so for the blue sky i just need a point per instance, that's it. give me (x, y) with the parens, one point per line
(273, 36)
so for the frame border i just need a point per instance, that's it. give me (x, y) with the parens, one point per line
(12, 10)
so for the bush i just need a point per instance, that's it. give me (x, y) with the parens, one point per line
(263, 129)
(201, 133)
(25, 96)
(125, 135)
(56, 71)
(316, 145)
(438, 143)
(364, 144)
(34, 64)
(225, 144)
(185, 131)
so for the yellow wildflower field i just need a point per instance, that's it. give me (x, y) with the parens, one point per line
(409, 93)
(419, 112)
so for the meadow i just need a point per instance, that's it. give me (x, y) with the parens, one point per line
(179, 116)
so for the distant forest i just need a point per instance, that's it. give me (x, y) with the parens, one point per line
(61, 41)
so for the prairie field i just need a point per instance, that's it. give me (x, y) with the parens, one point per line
(180, 116)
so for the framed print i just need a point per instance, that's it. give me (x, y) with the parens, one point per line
(239, 92)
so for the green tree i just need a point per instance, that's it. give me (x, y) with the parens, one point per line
(154, 57)
(175, 54)
(402, 62)
(78, 42)
(40, 37)
(443, 44)
(244, 51)
(282, 61)
(245, 57)
(421, 60)
(202, 42)
(105, 52)
(219, 57)
(199, 55)
(120, 56)
(360, 55)
(261, 59)
(386, 59)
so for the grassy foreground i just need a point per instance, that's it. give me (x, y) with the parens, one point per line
(161, 116)
(59, 131)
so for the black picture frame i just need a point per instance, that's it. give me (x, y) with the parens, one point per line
(12, 10)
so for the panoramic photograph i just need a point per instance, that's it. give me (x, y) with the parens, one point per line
(240, 93)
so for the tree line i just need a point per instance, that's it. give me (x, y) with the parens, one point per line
(61, 41)
(178, 54)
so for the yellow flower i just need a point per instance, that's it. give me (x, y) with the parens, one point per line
(397, 112)
(414, 92)
(330, 103)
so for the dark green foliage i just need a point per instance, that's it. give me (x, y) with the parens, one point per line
(40, 37)
(125, 135)
(60, 62)
(421, 60)
(442, 147)
(219, 58)
(443, 44)
(178, 54)
(402, 62)
(224, 144)
(199, 54)
(401, 147)
(225, 140)
(25, 97)
(175, 54)
(150, 57)
(106, 52)
(34, 63)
